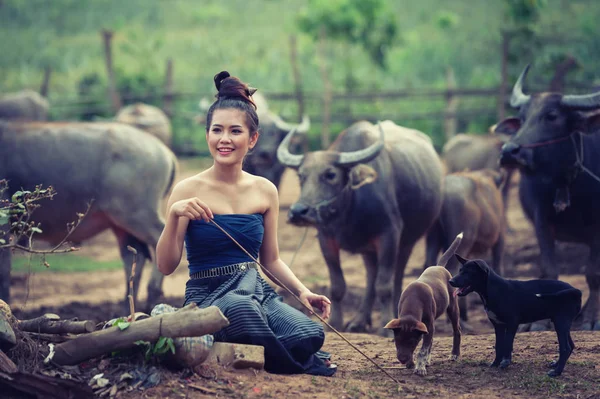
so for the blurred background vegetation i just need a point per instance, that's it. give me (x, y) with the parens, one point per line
(364, 46)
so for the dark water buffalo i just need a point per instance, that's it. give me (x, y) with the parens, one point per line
(371, 196)
(476, 152)
(553, 146)
(124, 170)
(262, 160)
(26, 105)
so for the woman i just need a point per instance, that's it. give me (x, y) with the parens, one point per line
(221, 274)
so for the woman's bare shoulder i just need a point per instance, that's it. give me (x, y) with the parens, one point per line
(190, 186)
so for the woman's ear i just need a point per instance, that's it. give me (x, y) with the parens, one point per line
(254, 139)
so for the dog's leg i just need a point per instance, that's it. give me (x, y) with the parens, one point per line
(509, 339)
(500, 330)
(564, 346)
(453, 315)
(425, 351)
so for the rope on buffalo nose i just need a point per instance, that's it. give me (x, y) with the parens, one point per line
(276, 280)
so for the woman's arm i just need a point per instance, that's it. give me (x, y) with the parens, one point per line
(181, 208)
(269, 256)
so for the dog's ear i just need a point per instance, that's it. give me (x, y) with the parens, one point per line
(461, 259)
(420, 327)
(394, 323)
(483, 266)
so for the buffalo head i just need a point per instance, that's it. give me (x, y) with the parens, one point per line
(327, 179)
(545, 121)
(262, 160)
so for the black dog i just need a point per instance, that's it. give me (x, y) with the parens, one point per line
(509, 303)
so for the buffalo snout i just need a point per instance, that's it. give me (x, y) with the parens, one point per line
(298, 214)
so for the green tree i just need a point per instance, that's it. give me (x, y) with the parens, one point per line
(368, 23)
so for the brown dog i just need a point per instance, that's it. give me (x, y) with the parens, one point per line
(421, 303)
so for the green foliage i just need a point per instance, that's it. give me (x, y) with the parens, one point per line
(61, 263)
(369, 23)
(160, 347)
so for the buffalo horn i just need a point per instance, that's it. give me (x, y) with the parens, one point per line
(285, 156)
(287, 127)
(586, 101)
(518, 98)
(349, 159)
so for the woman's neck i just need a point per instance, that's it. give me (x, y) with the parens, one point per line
(231, 174)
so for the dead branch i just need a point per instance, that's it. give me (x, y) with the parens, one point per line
(51, 324)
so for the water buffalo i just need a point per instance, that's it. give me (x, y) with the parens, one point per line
(370, 195)
(148, 118)
(26, 105)
(553, 147)
(123, 169)
(262, 160)
(476, 152)
(472, 205)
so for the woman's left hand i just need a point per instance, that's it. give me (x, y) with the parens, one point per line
(320, 302)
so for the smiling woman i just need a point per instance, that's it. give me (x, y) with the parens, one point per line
(222, 274)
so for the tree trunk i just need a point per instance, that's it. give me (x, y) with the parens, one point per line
(450, 122)
(501, 107)
(113, 94)
(46, 81)
(189, 321)
(168, 97)
(50, 324)
(327, 94)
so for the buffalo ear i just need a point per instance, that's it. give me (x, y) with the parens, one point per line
(362, 174)
(392, 324)
(420, 327)
(461, 259)
(508, 126)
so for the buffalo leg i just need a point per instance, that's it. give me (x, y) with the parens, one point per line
(545, 237)
(331, 253)
(433, 245)
(387, 255)
(147, 227)
(498, 255)
(590, 317)
(363, 318)
(125, 239)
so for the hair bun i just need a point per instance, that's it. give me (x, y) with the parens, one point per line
(219, 79)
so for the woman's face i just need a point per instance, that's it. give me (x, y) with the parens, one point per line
(229, 138)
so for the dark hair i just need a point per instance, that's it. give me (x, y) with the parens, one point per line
(233, 93)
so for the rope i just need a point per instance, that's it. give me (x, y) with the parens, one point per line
(579, 161)
(276, 280)
(299, 246)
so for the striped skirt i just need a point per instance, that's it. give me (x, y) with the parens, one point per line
(258, 316)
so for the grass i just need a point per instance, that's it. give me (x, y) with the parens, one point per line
(61, 263)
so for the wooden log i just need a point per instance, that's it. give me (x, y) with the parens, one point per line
(41, 386)
(190, 321)
(54, 338)
(51, 324)
(7, 365)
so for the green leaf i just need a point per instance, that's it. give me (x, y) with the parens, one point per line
(141, 342)
(3, 218)
(160, 343)
(16, 196)
(36, 229)
(2, 241)
(171, 345)
(123, 325)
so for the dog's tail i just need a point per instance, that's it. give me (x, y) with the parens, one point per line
(450, 251)
(569, 292)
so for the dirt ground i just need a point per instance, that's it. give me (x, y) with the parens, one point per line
(98, 296)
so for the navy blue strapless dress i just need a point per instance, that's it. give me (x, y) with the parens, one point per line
(256, 313)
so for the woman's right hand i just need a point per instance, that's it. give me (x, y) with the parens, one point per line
(192, 208)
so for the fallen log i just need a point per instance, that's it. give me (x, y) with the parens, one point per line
(189, 321)
(7, 365)
(51, 324)
(41, 386)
